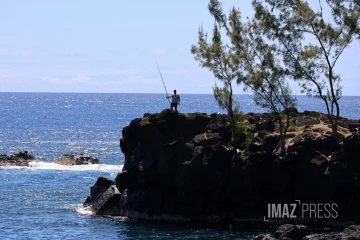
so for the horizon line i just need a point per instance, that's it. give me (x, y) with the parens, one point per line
(159, 93)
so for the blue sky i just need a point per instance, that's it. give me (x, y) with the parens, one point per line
(106, 46)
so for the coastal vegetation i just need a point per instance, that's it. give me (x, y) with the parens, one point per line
(224, 64)
(311, 40)
(283, 41)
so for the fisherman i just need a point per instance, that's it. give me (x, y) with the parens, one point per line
(175, 100)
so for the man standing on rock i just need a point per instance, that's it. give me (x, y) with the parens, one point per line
(175, 100)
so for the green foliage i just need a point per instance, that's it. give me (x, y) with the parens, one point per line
(259, 66)
(222, 96)
(243, 134)
(311, 43)
(221, 61)
(215, 56)
(346, 13)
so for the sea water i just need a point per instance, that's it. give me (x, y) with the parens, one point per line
(44, 200)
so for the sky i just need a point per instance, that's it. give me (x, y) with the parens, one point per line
(108, 46)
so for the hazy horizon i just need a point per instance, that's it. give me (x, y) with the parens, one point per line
(159, 93)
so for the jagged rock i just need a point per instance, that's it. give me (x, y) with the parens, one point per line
(311, 181)
(308, 118)
(108, 202)
(141, 153)
(220, 124)
(323, 236)
(352, 232)
(206, 139)
(104, 198)
(265, 124)
(349, 233)
(18, 159)
(264, 237)
(290, 231)
(305, 137)
(292, 111)
(26, 155)
(101, 185)
(354, 127)
(76, 159)
(270, 142)
(197, 158)
(196, 123)
(263, 133)
(255, 147)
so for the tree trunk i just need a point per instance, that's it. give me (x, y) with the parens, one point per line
(334, 124)
(335, 132)
(231, 113)
(282, 137)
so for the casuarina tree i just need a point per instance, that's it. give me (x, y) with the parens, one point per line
(222, 62)
(346, 13)
(259, 69)
(312, 39)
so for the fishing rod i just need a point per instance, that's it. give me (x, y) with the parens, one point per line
(161, 77)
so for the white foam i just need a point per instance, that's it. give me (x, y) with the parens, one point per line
(37, 165)
(84, 210)
(120, 219)
(79, 208)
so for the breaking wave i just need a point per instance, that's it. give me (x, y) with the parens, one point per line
(36, 165)
(84, 210)
(79, 208)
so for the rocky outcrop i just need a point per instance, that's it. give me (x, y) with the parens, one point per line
(290, 231)
(264, 237)
(182, 167)
(76, 159)
(104, 198)
(352, 232)
(301, 232)
(18, 159)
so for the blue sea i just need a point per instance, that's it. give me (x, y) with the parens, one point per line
(44, 201)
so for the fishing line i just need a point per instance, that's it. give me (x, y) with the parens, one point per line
(161, 78)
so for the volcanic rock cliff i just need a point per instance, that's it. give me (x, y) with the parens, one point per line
(182, 167)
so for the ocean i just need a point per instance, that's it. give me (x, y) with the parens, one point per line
(44, 201)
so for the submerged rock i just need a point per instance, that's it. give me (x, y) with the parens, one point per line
(18, 159)
(76, 159)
